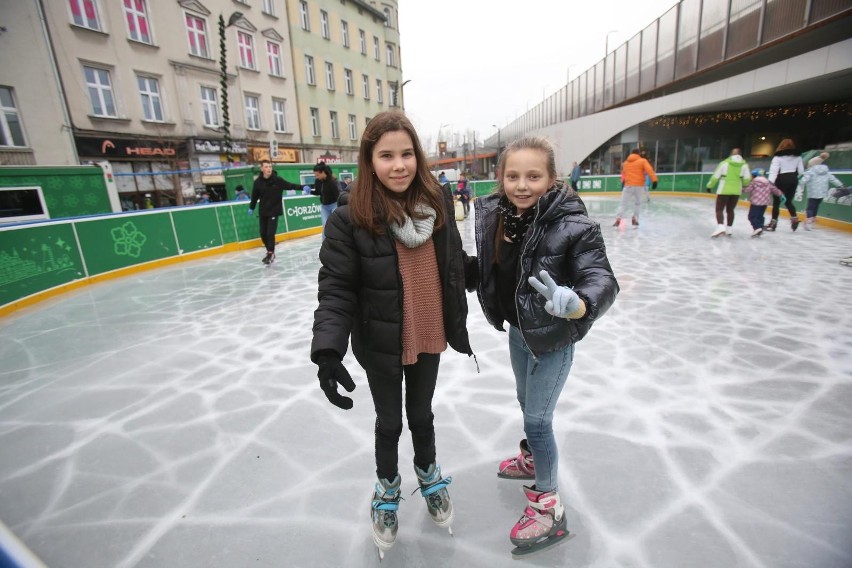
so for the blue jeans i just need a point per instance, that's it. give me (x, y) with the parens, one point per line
(326, 211)
(539, 383)
(755, 215)
(813, 207)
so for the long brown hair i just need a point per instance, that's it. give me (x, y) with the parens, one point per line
(371, 205)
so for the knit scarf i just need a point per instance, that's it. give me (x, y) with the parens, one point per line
(415, 232)
(514, 226)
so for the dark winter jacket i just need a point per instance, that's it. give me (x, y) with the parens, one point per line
(327, 189)
(269, 191)
(566, 243)
(360, 291)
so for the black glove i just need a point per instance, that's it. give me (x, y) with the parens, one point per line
(331, 372)
(653, 185)
(707, 189)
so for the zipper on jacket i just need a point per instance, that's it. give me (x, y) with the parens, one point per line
(518, 289)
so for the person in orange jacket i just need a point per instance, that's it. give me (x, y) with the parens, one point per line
(633, 176)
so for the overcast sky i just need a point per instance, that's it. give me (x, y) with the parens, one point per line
(474, 63)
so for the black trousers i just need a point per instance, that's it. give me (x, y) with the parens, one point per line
(268, 228)
(387, 392)
(787, 183)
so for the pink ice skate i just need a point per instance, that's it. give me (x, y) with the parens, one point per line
(519, 467)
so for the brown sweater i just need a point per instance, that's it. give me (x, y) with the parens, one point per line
(422, 311)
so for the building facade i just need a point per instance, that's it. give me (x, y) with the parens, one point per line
(170, 92)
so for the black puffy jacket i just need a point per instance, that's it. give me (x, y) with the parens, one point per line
(565, 242)
(360, 291)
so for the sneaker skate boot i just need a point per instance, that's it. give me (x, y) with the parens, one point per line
(383, 510)
(433, 487)
(720, 230)
(519, 467)
(542, 524)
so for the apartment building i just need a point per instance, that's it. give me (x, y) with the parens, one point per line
(146, 86)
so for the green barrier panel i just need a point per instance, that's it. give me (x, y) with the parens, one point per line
(225, 216)
(69, 191)
(122, 241)
(301, 213)
(483, 187)
(247, 227)
(33, 259)
(197, 228)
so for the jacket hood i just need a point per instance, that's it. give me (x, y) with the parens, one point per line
(819, 169)
(736, 158)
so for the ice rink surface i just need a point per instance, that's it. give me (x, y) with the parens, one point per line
(173, 418)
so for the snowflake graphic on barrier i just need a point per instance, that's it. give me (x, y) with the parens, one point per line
(128, 240)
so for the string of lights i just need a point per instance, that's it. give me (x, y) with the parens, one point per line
(809, 111)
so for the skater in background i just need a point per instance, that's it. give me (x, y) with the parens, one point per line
(760, 191)
(240, 194)
(463, 193)
(733, 172)
(268, 189)
(575, 176)
(393, 278)
(328, 190)
(543, 270)
(442, 178)
(647, 181)
(633, 185)
(784, 171)
(817, 180)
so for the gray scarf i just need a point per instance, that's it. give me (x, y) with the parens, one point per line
(415, 232)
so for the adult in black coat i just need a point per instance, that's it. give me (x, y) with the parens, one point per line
(269, 189)
(397, 214)
(327, 188)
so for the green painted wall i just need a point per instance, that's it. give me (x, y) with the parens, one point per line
(69, 191)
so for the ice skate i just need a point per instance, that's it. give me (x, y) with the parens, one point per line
(729, 231)
(794, 223)
(520, 466)
(634, 221)
(434, 489)
(269, 258)
(617, 222)
(846, 261)
(809, 223)
(771, 226)
(756, 233)
(542, 524)
(383, 513)
(720, 230)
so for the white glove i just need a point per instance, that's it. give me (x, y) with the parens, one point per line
(800, 193)
(561, 300)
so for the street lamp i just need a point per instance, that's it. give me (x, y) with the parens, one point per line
(223, 80)
(439, 137)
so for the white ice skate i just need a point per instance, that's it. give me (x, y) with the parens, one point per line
(434, 489)
(720, 230)
(383, 514)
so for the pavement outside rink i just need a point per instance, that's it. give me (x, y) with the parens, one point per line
(172, 417)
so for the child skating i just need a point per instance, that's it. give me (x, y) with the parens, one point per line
(543, 270)
(761, 191)
(817, 180)
(393, 279)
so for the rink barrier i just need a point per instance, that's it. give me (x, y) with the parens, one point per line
(46, 259)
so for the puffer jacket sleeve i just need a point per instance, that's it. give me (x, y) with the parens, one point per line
(339, 285)
(592, 274)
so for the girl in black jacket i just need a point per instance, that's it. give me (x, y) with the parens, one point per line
(328, 190)
(393, 278)
(543, 270)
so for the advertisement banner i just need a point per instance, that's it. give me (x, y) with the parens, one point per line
(301, 213)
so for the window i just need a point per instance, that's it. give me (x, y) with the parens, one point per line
(210, 106)
(324, 25)
(332, 115)
(367, 120)
(329, 75)
(379, 97)
(344, 33)
(347, 82)
(11, 130)
(273, 56)
(268, 7)
(315, 121)
(85, 14)
(304, 17)
(362, 41)
(389, 55)
(388, 22)
(353, 131)
(196, 31)
(309, 70)
(392, 93)
(365, 86)
(252, 112)
(246, 46)
(149, 91)
(100, 91)
(136, 14)
(376, 54)
(279, 116)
